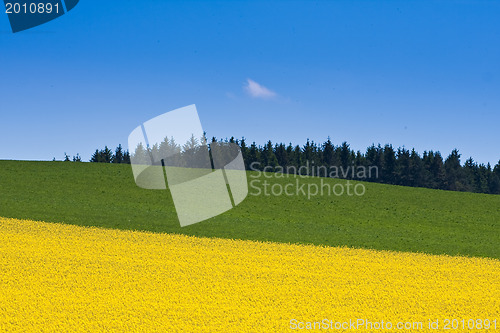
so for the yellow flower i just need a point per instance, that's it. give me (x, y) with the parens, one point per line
(56, 277)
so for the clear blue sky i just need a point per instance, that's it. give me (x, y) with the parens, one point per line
(411, 73)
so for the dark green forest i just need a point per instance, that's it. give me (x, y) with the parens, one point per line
(397, 166)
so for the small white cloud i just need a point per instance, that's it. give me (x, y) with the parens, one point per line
(258, 91)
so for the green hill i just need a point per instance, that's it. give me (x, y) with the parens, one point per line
(387, 217)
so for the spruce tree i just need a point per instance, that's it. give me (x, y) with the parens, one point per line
(453, 170)
(118, 157)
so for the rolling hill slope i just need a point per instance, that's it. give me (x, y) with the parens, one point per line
(385, 218)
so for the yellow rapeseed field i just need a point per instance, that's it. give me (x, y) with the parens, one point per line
(56, 277)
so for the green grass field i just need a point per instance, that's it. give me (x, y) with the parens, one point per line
(387, 217)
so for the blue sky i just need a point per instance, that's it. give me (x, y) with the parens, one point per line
(414, 74)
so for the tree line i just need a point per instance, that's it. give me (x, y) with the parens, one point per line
(105, 155)
(396, 166)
